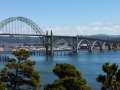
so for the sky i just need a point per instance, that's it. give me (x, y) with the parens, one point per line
(67, 17)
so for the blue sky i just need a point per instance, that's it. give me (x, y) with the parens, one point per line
(67, 17)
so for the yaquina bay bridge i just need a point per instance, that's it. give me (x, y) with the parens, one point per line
(25, 27)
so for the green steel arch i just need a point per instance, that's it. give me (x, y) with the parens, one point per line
(34, 26)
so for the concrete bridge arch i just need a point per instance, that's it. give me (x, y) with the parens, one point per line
(118, 45)
(108, 44)
(114, 45)
(87, 42)
(99, 44)
(58, 40)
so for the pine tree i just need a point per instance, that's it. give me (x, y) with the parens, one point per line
(69, 79)
(19, 73)
(110, 81)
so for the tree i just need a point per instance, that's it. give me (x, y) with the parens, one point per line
(19, 73)
(110, 81)
(69, 79)
(2, 86)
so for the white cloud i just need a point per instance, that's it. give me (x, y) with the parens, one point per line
(110, 28)
(97, 23)
(89, 29)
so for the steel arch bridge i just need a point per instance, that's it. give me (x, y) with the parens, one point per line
(15, 20)
(24, 26)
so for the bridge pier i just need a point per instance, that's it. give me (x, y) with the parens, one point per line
(75, 52)
(90, 50)
(46, 43)
(49, 43)
(109, 48)
(51, 39)
(101, 49)
(75, 45)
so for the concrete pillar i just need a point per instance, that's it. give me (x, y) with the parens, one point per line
(51, 38)
(101, 49)
(109, 48)
(75, 48)
(77, 44)
(46, 45)
(90, 50)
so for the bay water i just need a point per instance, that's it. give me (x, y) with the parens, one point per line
(88, 63)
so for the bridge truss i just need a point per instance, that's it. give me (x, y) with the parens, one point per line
(19, 25)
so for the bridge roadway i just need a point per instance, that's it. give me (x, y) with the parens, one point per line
(80, 37)
(50, 41)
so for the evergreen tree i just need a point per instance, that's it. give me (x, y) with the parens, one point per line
(2, 86)
(110, 81)
(19, 73)
(69, 79)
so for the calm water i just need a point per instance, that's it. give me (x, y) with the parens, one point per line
(89, 64)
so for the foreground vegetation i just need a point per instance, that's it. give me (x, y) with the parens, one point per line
(18, 74)
(110, 81)
(69, 79)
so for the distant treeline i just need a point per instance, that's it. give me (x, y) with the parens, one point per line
(19, 39)
(105, 37)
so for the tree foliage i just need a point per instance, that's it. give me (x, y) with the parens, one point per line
(2, 86)
(19, 73)
(110, 81)
(69, 79)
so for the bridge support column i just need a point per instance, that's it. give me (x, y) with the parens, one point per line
(90, 50)
(75, 46)
(109, 48)
(51, 39)
(46, 43)
(101, 49)
(49, 44)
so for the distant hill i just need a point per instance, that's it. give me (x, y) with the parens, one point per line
(100, 35)
(104, 37)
